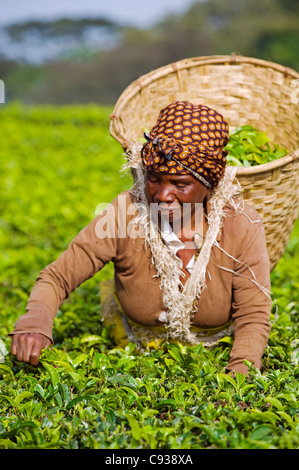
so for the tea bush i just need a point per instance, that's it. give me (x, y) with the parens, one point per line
(57, 165)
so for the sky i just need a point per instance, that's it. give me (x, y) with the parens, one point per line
(134, 12)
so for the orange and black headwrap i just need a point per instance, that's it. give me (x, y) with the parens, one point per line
(186, 139)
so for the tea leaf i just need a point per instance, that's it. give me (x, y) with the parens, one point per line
(135, 428)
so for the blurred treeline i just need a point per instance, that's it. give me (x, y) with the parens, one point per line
(266, 29)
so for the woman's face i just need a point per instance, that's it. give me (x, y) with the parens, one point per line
(171, 192)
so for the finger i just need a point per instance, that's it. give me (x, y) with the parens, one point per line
(17, 347)
(41, 343)
(24, 349)
(46, 342)
(35, 353)
(13, 347)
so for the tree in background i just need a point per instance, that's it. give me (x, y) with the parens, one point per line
(267, 30)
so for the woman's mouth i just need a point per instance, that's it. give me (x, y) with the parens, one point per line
(164, 208)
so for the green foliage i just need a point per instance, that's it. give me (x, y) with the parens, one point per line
(250, 147)
(57, 165)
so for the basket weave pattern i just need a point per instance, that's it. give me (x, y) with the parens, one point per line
(246, 91)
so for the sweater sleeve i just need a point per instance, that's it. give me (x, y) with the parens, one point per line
(87, 253)
(251, 305)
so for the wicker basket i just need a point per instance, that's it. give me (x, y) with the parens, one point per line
(246, 91)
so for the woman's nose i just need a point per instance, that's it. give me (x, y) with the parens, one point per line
(164, 194)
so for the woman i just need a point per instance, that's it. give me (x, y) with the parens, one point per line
(190, 259)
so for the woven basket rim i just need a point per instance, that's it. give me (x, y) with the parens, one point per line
(269, 166)
(147, 78)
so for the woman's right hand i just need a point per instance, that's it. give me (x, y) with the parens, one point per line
(27, 346)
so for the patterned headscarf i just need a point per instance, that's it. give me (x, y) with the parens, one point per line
(186, 139)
